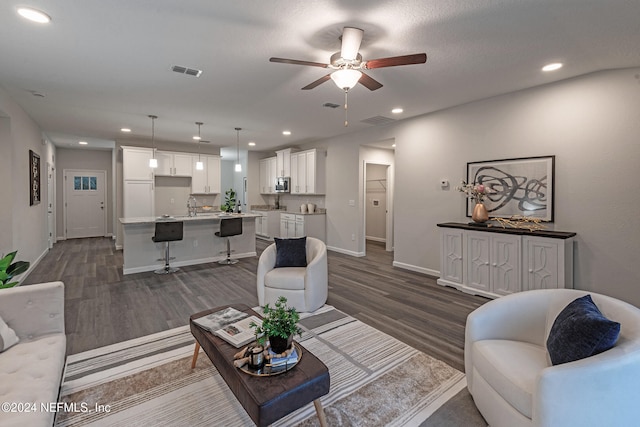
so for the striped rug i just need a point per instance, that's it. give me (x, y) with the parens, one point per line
(375, 380)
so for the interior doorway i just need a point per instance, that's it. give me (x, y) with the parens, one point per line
(51, 196)
(85, 213)
(378, 221)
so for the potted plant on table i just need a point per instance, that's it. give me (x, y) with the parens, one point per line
(229, 201)
(279, 325)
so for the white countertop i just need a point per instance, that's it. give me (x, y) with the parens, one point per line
(185, 218)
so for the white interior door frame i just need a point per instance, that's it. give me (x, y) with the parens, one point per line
(51, 205)
(389, 196)
(65, 195)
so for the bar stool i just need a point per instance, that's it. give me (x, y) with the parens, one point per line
(167, 231)
(229, 227)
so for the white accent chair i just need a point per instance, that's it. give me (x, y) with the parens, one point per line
(511, 378)
(306, 288)
(31, 371)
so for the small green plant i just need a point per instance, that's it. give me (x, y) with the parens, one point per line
(229, 200)
(280, 321)
(9, 270)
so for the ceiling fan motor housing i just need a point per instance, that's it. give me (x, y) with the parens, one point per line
(338, 61)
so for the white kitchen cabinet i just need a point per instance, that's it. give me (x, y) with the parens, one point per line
(308, 174)
(288, 226)
(207, 180)
(283, 162)
(268, 169)
(498, 262)
(174, 164)
(262, 225)
(292, 225)
(137, 199)
(135, 163)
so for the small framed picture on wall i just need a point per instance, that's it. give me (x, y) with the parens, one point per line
(34, 178)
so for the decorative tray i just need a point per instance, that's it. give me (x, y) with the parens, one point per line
(268, 371)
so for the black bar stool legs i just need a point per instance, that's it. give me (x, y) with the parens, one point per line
(166, 232)
(229, 227)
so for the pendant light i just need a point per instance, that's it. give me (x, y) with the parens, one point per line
(153, 162)
(238, 165)
(199, 164)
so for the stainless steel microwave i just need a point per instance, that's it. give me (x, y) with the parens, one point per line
(283, 185)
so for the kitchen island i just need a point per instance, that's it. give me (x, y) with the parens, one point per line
(199, 245)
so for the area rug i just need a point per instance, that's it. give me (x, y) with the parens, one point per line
(375, 380)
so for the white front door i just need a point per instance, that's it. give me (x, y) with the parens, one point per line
(85, 204)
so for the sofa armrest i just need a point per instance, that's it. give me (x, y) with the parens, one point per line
(33, 311)
(599, 390)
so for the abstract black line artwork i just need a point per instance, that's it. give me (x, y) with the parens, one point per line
(516, 186)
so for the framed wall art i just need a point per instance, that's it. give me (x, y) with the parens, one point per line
(34, 178)
(521, 186)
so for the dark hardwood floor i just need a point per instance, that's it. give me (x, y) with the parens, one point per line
(103, 307)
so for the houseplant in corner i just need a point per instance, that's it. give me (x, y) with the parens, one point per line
(9, 270)
(279, 325)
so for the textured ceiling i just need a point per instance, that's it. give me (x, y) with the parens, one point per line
(102, 65)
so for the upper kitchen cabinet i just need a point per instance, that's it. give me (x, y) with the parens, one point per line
(268, 175)
(283, 162)
(206, 181)
(135, 163)
(308, 174)
(174, 164)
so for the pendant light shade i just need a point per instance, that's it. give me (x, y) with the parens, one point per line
(238, 165)
(346, 78)
(153, 162)
(199, 164)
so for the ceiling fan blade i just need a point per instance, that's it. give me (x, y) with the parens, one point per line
(418, 58)
(369, 82)
(351, 39)
(317, 82)
(297, 62)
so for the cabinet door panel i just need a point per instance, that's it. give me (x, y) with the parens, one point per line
(213, 174)
(541, 264)
(135, 164)
(182, 164)
(165, 163)
(310, 184)
(199, 178)
(478, 268)
(137, 199)
(451, 253)
(505, 264)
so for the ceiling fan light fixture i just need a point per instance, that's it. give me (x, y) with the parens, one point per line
(346, 78)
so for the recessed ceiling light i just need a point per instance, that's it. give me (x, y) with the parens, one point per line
(393, 145)
(397, 110)
(252, 144)
(286, 132)
(34, 15)
(125, 130)
(552, 67)
(197, 138)
(83, 142)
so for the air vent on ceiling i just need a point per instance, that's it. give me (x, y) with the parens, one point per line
(378, 120)
(185, 70)
(330, 105)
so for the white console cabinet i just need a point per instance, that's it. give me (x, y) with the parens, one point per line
(494, 261)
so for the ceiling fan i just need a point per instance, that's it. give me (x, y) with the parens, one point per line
(348, 65)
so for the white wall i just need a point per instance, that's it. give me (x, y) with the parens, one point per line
(24, 227)
(589, 123)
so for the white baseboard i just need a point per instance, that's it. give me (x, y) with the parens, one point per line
(376, 239)
(346, 252)
(119, 247)
(427, 271)
(59, 238)
(33, 265)
(185, 263)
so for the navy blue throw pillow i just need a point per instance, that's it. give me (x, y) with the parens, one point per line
(291, 252)
(580, 331)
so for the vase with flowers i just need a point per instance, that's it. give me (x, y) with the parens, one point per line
(476, 193)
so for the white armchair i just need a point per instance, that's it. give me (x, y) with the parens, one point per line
(511, 378)
(306, 288)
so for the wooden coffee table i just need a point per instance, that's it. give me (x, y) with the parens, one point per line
(266, 399)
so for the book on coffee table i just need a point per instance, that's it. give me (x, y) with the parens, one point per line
(231, 325)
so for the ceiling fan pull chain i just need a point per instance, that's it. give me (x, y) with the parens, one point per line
(346, 108)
